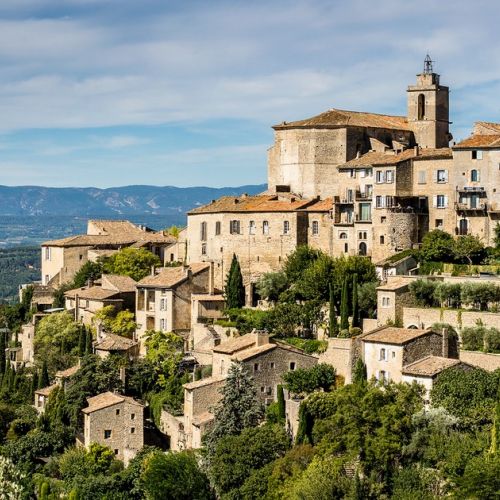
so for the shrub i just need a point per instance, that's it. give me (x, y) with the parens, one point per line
(492, 340)
(448, 294)
(321, 376)
(473, 338)
(423, 291)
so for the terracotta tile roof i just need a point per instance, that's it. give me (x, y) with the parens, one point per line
(254, 351)
(493, 127)
(118, 283)
(237, 344)
(319, 206)
(203, 382)
(105, 400)
(282, 202)
(45, 391)
(394, 284)
(378, 159)
(170, 277)
(334, 118)
(429, 366)
(113, 342)
(479, 141)
(93, 293)
(68, 372)
(394, 335)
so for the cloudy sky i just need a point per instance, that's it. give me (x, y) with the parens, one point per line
(115, 92)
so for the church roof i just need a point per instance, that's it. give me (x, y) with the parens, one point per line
(379, 159)
(337, 118)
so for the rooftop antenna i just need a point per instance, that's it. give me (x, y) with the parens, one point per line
(428, 69)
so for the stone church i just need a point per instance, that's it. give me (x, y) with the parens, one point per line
(353, 183)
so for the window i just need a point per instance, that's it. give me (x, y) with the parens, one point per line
(315, 228)
(362, 172)
(116, 451)
(292, 365)
(393, 354)
(162, 324)
(81, 257)
(382, 355)
(362, 235)
(369, 172)
(256, 367)
(379, 202)
(352, 173)
(386, 301)
(203, 231)
(389, 201)
(107, 434)
(477, 154)
(47, 253)
(251, 227)
(132, 430)
(382, 240)
(117, 412)
(265, 227)
(474, 175)
(271, 365)
(217, 228)
(389, 176)
(234, 227)
(163, 304)
(286, 227)
(346, 247)
(382, 377)
(365, 212)
(380, 176)
(383, 219)
(442, 176)
(439, 224)
(132, 416)
(421, 107)
(203, 249)
(441, 201)
(343, 236)
(421, 177)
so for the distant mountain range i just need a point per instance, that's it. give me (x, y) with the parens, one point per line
(120, 201)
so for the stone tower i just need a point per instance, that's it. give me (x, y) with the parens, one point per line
(429, 110)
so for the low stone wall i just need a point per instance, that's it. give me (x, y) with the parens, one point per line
(424, 317)
(489, 362)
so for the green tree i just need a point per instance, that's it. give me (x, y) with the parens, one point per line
(307, 380)
(44, 376)
(88, 343)
(468, 247)
(11, 480)
(82, 340)
(344, 306)
(281, 404)
(333, 323)
(3, 346)
(133, 262)
(124, 324)
(314, 284)
(234, 289)
(173, 475)
(298, 261)
(89, 272)
(270, 285)
(356, 321)
(164, 352)
(437, 246)
(359, 375)
(496, 238)
(367, 299)
(238, 408)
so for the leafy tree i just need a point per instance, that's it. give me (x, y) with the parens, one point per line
(448, 294)
(473, 338)
(354, 264)
(238, 409)
(356, 321)
(133, 262)
(344, 306)
(164, 353)
(11, 480)
(234, 289)
(90, 271)
(173, 475)
(314, 284)
(270, 285)
(298, 261)
(359, 375)
(88, 343)
(423, 291)
(468, 247)
(436, 246)
(82, 341)
(481, 478)
(124, 324)
(367, 299)
(307, 380)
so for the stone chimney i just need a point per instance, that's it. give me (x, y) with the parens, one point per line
(261, 337)
(416, 150)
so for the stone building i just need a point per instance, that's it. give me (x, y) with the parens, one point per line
(114, 421)
(110, 290)
(61, 259)
(164, 298)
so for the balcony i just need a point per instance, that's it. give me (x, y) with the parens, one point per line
(342, 220)
(364, 195)
(471, 189)
(465, 207)
(344, 200)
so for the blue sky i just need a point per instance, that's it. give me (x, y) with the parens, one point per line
(115, 92)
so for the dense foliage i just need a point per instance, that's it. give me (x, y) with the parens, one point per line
(133, 262)
(17, 266)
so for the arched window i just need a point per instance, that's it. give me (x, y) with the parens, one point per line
(343, 236)
(474, 175)
(421, 106)
(362, 248)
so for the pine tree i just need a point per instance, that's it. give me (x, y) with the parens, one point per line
(235, 291)
(281, 404)
(44, 377)
(344, 306)
(82, 341)
(333, 323)
(359, 375)
(88, 344)
(238, 409)
(356, 320)
(2, 352)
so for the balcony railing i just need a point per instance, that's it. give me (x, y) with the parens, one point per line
(465, 207)
(364, 195)
(471, 189)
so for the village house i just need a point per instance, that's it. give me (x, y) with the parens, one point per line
(109, 290)
(266, 361)
(107, 344)
(61, 259)
(114, 421)
(42, 397)
(164, 298)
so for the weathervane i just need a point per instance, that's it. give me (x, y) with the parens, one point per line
(428, 65)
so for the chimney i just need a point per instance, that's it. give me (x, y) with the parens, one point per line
(153, 270)
(445, 345)
(261, 337)
(416, 150)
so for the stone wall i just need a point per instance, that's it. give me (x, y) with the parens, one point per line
(428, 345)
(341, 355)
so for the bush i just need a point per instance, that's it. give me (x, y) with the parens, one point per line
(305, 381)
(492, 340)
(310, 346)
(448, 294)
(473, 338)
(437, 246)
(424, 292)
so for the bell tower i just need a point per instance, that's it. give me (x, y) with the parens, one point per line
(429, 109)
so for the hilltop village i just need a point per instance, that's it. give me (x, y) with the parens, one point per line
(336, 336)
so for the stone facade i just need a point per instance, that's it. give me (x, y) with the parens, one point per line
(115, 421)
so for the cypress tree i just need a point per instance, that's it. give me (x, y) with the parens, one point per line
(82, 341)
(2, 352)
(235, 291)
(34, 384)
(44, 377)
(344, 306)
(6, 376)
(359, 376)
(356, 320)
(88, 344)
(281, 404)
(333, 323)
